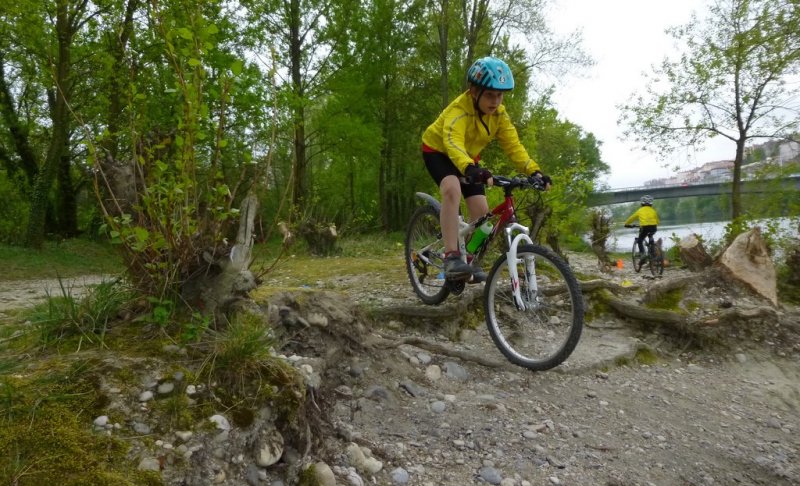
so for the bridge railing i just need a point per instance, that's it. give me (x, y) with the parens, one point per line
(705, 188)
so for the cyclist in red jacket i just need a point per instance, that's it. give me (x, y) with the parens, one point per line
(451, 148)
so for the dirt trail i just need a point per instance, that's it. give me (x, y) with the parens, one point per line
(15, 294)
(693, 417)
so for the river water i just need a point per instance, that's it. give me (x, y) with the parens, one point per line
(622, 239)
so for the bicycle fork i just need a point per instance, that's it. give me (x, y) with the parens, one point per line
(531, 289)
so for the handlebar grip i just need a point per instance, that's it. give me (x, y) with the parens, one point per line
(537, 183)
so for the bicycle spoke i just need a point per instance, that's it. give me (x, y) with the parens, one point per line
(424, 256)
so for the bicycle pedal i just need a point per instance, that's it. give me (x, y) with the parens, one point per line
(477, 278)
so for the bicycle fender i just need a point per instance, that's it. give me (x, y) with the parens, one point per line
(430, 200)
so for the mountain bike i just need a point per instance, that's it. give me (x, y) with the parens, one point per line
(531, 299)
(654, 256)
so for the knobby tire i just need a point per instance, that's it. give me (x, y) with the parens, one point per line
(657, 262)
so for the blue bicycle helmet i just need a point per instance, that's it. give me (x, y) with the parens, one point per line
(491, 73)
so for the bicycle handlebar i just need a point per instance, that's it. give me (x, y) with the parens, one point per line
(514, 182)
(519, 181)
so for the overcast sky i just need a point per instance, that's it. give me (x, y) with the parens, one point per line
(625, 37)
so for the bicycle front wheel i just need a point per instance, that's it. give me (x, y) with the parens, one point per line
(539, 330)
(637, 264)
(424, 255)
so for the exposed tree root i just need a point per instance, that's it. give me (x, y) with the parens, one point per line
(439, 348)
(662, 316)
(634, 311)
(736, 314)
(663, 287)
(448, 311)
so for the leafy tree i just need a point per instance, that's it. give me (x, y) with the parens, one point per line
(170, 203)
(302, 34)
(572, 158)
(731, 82)
(42, 41)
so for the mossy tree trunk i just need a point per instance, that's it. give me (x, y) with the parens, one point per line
(40, 200)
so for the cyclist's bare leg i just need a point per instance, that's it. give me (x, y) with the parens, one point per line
(477, 206)
(450, 189)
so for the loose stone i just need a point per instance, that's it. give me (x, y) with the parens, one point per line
(490, 475)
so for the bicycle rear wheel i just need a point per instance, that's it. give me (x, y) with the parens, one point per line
(424, 255)
(657, 262)
(637, 264)
(544, 333)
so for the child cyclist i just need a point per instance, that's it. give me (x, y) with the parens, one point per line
(648, 221)
(451, 148)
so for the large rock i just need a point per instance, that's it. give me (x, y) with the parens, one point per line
(747, 260)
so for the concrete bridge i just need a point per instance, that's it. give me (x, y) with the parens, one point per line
(630, 194)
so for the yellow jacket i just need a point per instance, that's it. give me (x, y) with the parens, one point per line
(459, 133)
(647, 216)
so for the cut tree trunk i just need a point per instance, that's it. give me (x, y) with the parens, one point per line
(232, 280)
(747, 260)
(321, 238)
(601, 229)
(693, 254)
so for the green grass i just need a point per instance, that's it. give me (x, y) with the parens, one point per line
(87, 318)
(378, 255)
(68, 258)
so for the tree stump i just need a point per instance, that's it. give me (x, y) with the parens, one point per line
(321, 238)
(229, 278)
(693, 254)
(601, 230)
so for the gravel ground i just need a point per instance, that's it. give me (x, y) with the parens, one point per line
(693, 416)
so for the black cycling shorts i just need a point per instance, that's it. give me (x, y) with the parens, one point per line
(440, 166)
(646, 231)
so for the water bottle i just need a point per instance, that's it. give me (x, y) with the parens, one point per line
(479, 236)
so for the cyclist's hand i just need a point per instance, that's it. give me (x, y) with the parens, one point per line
(537, 179)
(629, 226)
(478, 175)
